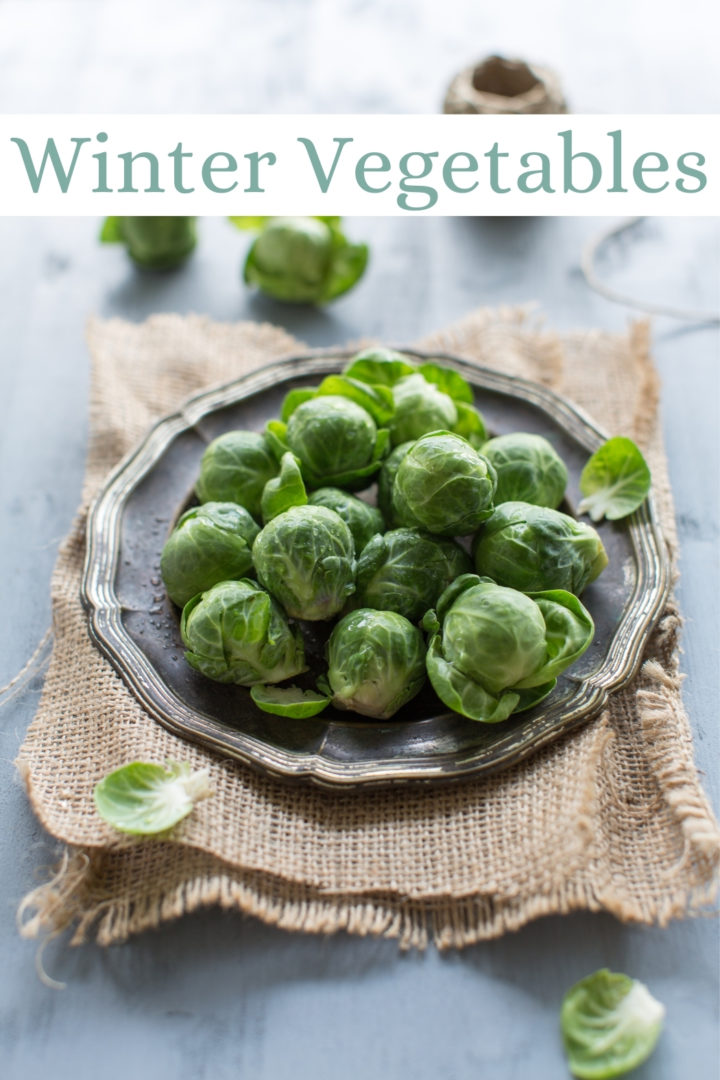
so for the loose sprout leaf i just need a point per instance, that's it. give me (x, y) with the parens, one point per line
(289, 701)
(112, 231)
(615, 481)
(610, 1024)
(449, 382)
(143, 798)
(346, 268)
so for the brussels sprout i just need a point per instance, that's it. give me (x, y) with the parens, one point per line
(335, 440)
(158, 243)
(532, 548)
(495, 651)
(405, 571)
(210, 543)
(376, 662)
(610, 1024)
(235, 468)
(306, 559)
(379, 366)
(443, 486)
(362, 520)
(236, 633)
(386, 479)
(528, 469)
(420, 407)
(285, 490)
(304, 260)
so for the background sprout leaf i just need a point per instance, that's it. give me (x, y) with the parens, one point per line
(448, 381)
(610, 1024)
(289, 701)
(615, 481)
(379, 366)
(347, 266)
(144, 799)
(470, 425)
(377, 400)
(285, 490)
(111, 231)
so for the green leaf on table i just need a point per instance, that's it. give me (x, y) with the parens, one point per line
(615, 481)
(144, 799)
(610, 1024)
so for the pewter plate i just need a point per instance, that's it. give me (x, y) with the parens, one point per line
(136, 626)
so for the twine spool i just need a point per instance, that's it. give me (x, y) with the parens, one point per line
(497, 85)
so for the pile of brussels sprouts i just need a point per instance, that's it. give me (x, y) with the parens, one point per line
(465, 572)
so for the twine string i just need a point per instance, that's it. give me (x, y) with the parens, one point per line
(587, 265)
(31, 668)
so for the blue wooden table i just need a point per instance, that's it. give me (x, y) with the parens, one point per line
(216, 995)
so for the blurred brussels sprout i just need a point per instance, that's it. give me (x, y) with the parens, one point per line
(236, 633)
(335, 440)
(379, 366)
(304, 260)
(532, 548)
(306, 558)
(443, 486)
(405, 571)
(420, 407)
(210, 543)
(386, 479)
(285, 490)
(158, 243)
(528, 469)
(376, 662)
(494, 651)
(362, 520)
(235, 468)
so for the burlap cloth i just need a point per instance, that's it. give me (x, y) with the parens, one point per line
(610, 817)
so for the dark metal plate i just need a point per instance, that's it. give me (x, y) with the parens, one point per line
(133, 622)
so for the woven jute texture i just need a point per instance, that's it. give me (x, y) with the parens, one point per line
(610, 817)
